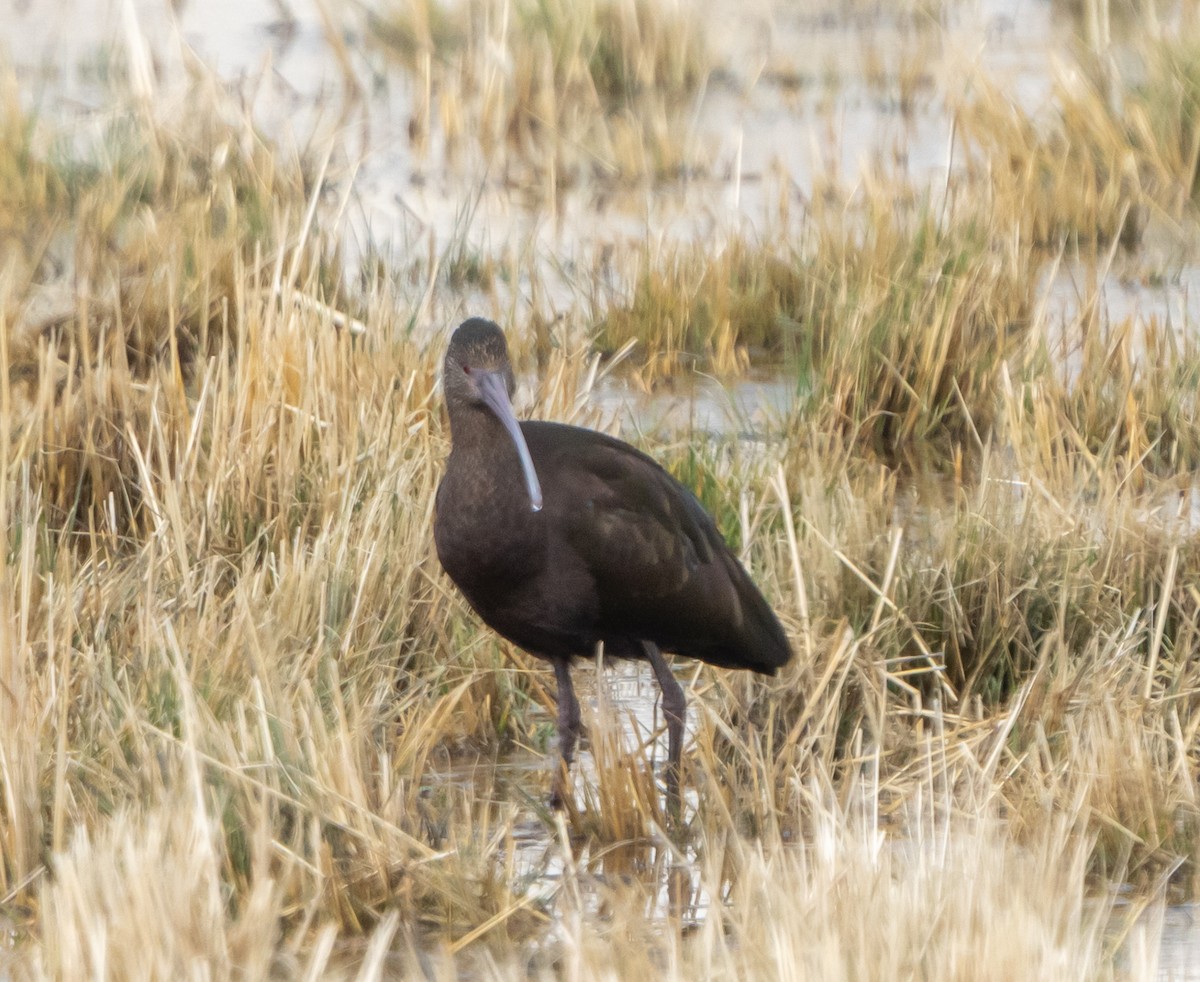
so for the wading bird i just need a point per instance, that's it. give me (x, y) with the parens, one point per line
(561, 537)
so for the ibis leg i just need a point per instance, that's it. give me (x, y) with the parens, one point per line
(569, 723)
(674, 705)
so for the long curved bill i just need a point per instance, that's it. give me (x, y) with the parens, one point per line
(494, 390)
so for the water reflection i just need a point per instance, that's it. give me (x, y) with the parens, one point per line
(1075, 296)
(745, 408)
(582, 860)
(1163, 943)
(1179, 947)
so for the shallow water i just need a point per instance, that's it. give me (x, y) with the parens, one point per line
(620, 704)
(746, 408)
(1179, 951)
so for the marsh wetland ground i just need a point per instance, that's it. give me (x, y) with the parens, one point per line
(904, 290)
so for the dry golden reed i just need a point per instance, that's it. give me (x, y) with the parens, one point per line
(556, 91)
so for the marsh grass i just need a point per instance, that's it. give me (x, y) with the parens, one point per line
(559, 90)
(1116, 149)
(1109, 154)
(236, 690)
(898, 328)
(1072, 173)
(1165, 111)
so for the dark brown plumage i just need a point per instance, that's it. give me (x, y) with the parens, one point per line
(581, 538)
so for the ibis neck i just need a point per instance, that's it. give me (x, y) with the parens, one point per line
(484, 461)
(474, 426)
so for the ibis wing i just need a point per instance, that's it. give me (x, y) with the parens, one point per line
(641, 533)
(659, 569)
